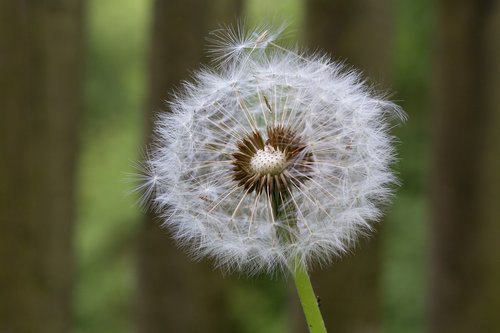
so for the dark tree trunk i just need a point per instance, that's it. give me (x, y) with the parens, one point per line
(40, 80)
(360, 33)
(175, 293)
(464, 295)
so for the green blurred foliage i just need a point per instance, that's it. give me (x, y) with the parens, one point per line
(405, 238)
(259, 305)
(276, 12)
(115, 86)
(115, 59)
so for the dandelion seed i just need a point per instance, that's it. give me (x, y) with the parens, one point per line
(274, 157)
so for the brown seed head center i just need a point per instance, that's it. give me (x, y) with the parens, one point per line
(268, 161)
(281, 162)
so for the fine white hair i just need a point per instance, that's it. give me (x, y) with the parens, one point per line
(256, 84)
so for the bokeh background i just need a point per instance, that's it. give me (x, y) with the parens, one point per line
(80, 82)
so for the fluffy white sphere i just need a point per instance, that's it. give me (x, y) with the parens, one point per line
(271, 143)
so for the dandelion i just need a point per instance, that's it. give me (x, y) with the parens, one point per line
(274, 160)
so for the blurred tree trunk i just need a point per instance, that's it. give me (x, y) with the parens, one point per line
(40, 80)
(464, 293)
(360, 33)
(175, 293)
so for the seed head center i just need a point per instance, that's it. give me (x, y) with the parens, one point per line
(270, 161)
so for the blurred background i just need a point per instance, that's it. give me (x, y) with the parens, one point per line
(79, 84)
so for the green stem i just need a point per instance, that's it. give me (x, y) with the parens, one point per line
(284, 213)
(308, 300)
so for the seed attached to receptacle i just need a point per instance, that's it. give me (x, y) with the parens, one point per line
(278, 163)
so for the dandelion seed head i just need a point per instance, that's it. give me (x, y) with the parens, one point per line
(273, 156)
(269, 161)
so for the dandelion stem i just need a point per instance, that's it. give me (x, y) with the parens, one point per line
(308, 300)
(284, 214)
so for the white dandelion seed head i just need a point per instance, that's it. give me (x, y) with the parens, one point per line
(273, 157)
